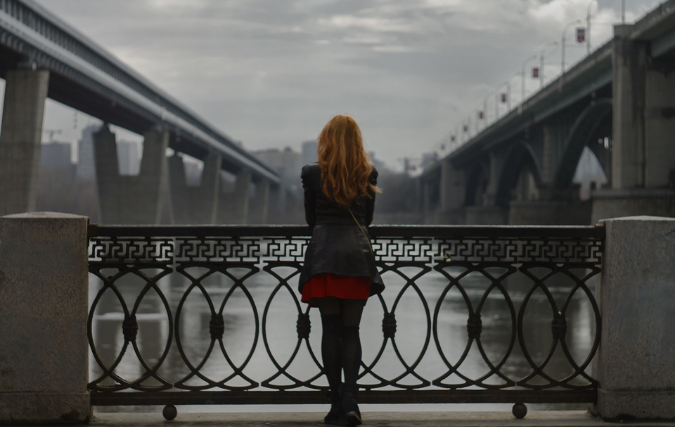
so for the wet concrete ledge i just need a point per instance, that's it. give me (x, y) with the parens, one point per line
(380, 419)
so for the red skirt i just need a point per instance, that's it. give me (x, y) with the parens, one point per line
(328, 285)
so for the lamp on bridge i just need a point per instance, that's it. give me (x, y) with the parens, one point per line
(522, 99)
(562, 45)
(541, 62)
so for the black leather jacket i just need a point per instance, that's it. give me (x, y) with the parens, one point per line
(337, 246)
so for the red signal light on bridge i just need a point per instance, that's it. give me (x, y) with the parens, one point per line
(581, 35)
(480, 115)
(535, 72)
(503, 98)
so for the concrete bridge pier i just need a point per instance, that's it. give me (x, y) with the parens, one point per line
(452, 195)
(195, 205)
(547, 206)
(131, 199)
(643, 155)
(20, 142)
(486, 211)
(260, 205)
(278, 203)
(233, 207)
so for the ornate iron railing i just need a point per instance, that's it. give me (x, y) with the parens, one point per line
(470, 314)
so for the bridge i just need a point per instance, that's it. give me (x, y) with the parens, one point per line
(41, 56)
(619, 102)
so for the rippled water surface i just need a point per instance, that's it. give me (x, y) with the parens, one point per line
(275, 307)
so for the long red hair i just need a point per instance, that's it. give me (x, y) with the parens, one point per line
(344, 163)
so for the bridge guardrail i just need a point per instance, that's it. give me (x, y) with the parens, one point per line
(499, 281)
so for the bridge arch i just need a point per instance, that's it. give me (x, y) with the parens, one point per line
(477, 182)
(519, 158)
(584, 132)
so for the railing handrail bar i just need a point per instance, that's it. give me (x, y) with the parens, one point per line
(376, 231)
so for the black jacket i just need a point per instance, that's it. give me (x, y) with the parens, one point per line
(337, 245)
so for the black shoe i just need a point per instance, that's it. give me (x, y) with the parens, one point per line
(350, 407)
(336, 416)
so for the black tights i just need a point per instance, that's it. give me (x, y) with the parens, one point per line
(340, 344)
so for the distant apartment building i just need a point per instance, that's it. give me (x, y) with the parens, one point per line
(56, 155)
(56, 163)
(128, 157)
(287, 163)
(85, 154)
(193, 171)
(379, 164)
(309, 154)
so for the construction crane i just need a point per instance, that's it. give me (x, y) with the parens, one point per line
(51, 133)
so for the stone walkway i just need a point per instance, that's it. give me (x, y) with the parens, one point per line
(379, 419)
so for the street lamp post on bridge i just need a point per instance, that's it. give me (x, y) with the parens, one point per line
(541, 62)
(588, 21)
(522, 99)
(562, 44)
(508, 95)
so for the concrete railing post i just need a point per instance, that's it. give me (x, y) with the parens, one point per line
(43, 319)
(636, 361)
(24, 106)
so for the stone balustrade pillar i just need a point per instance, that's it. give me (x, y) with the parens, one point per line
(635, 365)
(43, 319)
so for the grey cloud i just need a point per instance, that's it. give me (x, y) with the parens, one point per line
(271, 72)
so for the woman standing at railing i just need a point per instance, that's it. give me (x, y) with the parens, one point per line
(339, 272)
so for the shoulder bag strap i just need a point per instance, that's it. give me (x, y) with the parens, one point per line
(362, 231)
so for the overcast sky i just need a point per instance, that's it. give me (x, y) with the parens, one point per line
(270, 73)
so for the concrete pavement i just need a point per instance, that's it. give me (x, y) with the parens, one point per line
(379, 419)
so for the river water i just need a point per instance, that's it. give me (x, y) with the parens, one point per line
(413, 312)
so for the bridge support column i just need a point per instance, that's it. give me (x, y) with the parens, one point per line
(643, 155)
(452, 195)
(635, 364)
(489, 213)
(660, 126)
(549, 153)
(195, 205)
(262, 195)
(628, 88)
(131, 199)
(278, 198)
(644, 116)
(20, 142)
(43, 320)
(234, 206)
